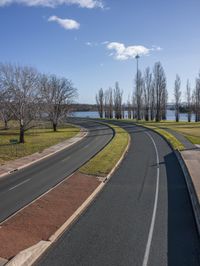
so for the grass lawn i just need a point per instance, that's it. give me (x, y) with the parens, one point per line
(36, 140)
(177, 145)
(190, 130)
(103, 162)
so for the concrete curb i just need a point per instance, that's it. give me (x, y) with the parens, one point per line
(82, 134)
(191, 189)
(3, 261)
(29, 256)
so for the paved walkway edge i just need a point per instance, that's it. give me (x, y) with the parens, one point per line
(82, 134)
(29, 256)
(191, 189)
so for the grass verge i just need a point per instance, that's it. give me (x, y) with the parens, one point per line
(105, 160)
(37, 139)
(177, 145)
(159, 127)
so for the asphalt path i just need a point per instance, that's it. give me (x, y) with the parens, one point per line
(22, 187)
(142, 217)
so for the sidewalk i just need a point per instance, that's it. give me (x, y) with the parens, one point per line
(192, 161)
(189, 160)
(23, 162)
(186, 143)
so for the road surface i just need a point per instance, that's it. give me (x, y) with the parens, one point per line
(142, 217)
(20, 188)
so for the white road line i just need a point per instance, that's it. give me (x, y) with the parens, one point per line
(18, 185)
(148, 246)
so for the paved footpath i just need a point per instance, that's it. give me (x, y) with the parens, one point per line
(186, 143)
(192, 161)
(191, 157)
(20, 163)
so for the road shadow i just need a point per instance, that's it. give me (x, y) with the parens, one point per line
(183, 240)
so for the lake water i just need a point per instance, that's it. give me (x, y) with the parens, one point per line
(170, 115)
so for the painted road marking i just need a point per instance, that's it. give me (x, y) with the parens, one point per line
(18, 185)
(148, 246)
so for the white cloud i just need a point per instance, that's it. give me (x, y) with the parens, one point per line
(121, 52)
(53, 3)
(68, 24)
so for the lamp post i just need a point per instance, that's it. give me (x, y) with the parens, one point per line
(137, 58)
(137, 87)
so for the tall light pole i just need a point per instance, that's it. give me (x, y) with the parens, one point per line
(137, 87)
(137, 58)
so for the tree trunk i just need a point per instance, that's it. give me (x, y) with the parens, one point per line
(54, 127)
(177, 117)
(21, 135)
(5, 124)
(189, 117)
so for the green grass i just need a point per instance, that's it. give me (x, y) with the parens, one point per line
(36, 140)
(105, 160)
(190, 130)
(177, 145)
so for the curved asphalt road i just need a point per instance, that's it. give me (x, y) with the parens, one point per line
(20, 188)
(142, 217)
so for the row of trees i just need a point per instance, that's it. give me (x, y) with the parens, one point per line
(192, 99)
(149, 98)
(28, 96)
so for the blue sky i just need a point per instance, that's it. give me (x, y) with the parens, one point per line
(72, 38)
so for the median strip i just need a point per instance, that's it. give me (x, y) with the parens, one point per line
(44, 220)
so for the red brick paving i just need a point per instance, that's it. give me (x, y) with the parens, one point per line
(42, 218)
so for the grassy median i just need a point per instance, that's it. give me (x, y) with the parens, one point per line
(105, 160)
(36, 140)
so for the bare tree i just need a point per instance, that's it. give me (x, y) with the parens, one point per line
(56, 95)
(189, 100)
(106, 103)
(139, 83)
(100, 102)
(134, 106)
(152, 102)
(159, 83)
(164, 104)
(21, 88)
(177, 95)
(147, 92)
(197, 99)
(118, 101)
(129, 106)
(110, 100)
(5, 113)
